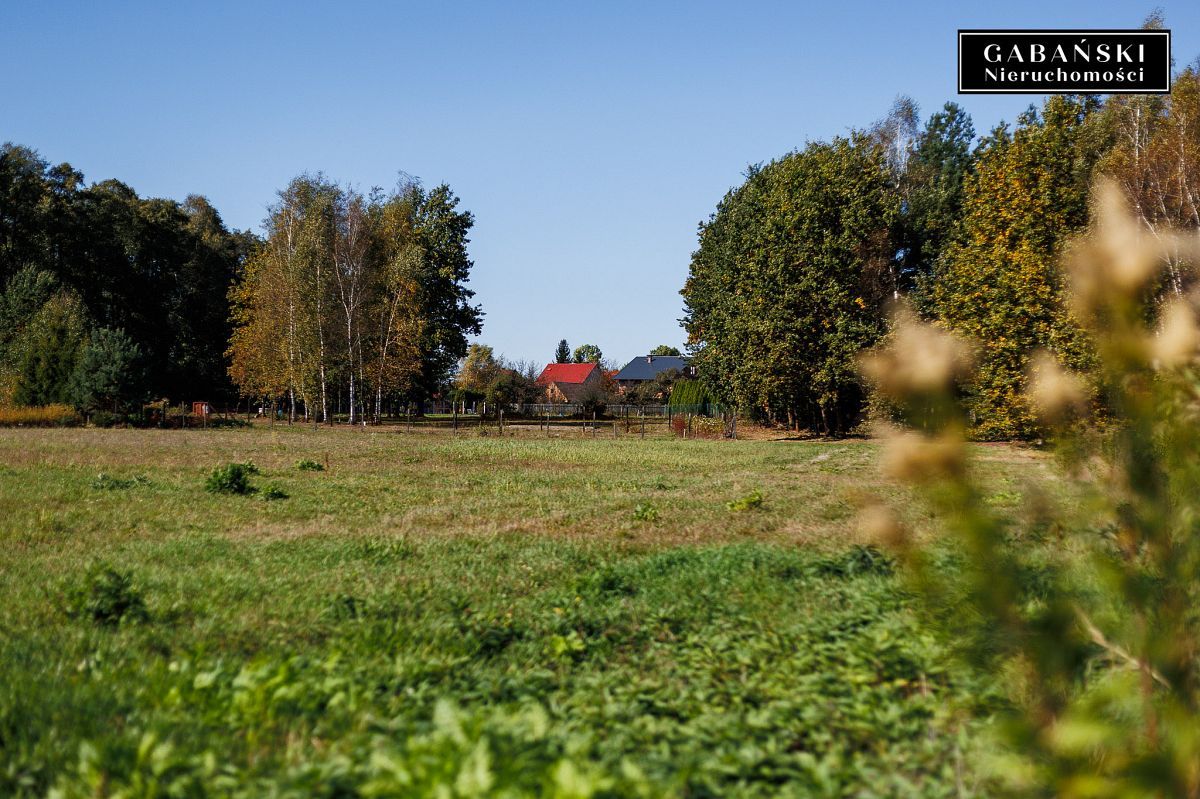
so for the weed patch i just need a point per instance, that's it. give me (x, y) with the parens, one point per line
(751, 501)
(645, 512)
(107, 482)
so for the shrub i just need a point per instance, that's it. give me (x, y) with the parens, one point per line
(106, 597)
(39, 416)
(309, 466)
(233, 478)
(690, 395)
(594, 401)
(273, 492)
(106, 419)
(707, 427)
(751, 501)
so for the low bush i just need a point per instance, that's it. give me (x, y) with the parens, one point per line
(106, 419)
(309, 466)
(233, 478)
(39, 416)
(106, 597)
(273, 492)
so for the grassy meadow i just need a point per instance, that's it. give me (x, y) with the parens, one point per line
(431, 615)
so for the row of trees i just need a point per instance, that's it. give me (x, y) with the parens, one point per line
(797, 272)
(97, 272)
(354, 300)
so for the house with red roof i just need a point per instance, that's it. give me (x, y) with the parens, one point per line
(569, 382)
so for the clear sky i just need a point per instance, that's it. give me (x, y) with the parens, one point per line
(588, 139)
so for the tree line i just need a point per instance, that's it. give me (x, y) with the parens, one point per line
(347, 302)
(95, 274)
(799, 268)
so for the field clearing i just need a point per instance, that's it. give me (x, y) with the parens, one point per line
(559, 617)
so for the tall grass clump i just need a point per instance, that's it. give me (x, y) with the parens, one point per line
(1083, 613)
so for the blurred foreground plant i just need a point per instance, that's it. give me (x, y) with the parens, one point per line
(1087, 617)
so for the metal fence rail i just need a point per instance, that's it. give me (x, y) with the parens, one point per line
(576, 408)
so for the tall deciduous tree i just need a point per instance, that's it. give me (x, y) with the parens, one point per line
(588, 353)
(1156, 162)
(1000, 285)
(364, 294)
(789, 281)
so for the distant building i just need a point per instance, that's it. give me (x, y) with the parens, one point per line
(646, 368)
(569, 382)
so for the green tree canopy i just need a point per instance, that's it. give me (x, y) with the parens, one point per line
(158, 269)
(1000, 285)
(789, 283)
(665, 349)
(588, 353)
(362, 296)
(933, 189)
(48, 350)
(562, 353)
(109, 375)
(478, 370)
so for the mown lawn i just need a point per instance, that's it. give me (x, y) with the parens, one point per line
(472, 616)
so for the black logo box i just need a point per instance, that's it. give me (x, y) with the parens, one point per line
(1075, 61)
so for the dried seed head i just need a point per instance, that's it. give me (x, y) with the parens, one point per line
(1132, 258)
(916, 458)
(1055, 393)
(921, 360)
(1112, 268)
(879, 525)
(1178, 338)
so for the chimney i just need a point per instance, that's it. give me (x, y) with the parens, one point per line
(649, 359)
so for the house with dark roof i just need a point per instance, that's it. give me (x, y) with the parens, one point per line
(646, 368)
(569, 382)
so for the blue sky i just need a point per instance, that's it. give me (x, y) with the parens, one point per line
(589, 140)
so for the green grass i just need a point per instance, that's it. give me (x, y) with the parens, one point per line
(488, 615)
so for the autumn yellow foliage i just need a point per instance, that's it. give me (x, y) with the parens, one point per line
(40, 416)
